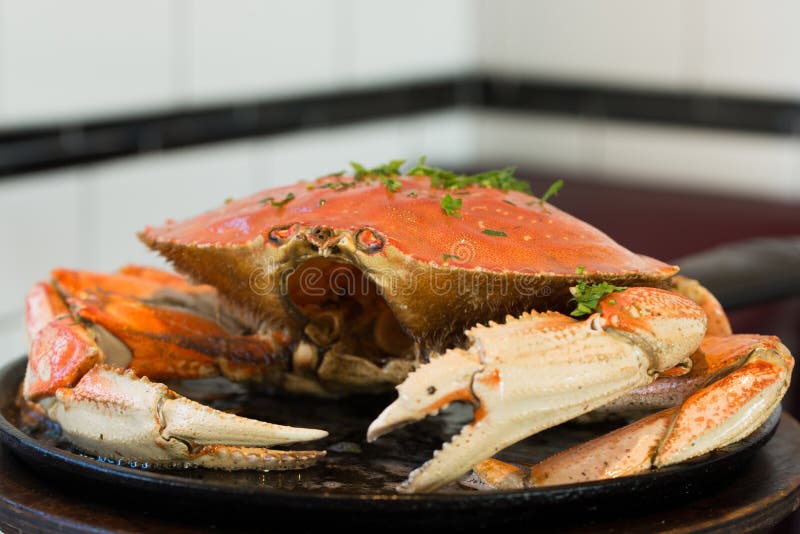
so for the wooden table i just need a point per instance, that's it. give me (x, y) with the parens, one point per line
(761, 495)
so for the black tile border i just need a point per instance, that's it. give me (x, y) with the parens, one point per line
(27, 150)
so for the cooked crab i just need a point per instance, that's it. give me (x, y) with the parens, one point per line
(350, 283)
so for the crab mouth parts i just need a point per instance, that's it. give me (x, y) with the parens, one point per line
(345, 320)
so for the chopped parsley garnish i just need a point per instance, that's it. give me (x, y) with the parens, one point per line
(391, 183)
(337, 186)
(386, 172)
(502, 179)
(412, 194)
(446, 257)
(553, 190)
(387, 169)
(587, 296)
(321, 202)
(489, 231)
(451, 206)
(277, 203)
(580, 269)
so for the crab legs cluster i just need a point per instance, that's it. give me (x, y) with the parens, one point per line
(97, 340)
(542, 369)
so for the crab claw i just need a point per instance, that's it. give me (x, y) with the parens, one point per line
(444, 380)
(540, 370)
(115, 414)
(74, 375)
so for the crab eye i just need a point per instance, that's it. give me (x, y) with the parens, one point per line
(280, 234)
(369, 241)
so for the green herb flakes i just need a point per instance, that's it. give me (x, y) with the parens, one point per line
(391, 183)
(387, 169)
(502, 179)
(451, 206)
(277, 203)
(446, 257)
(553, 190)
(498, 233)
(587, 296)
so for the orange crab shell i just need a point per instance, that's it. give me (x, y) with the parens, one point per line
(396, 238)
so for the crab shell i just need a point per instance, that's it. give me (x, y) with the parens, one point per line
(502, 252)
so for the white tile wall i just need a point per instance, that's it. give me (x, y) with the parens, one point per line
(39, 230)
(308, 155)
(535, 140)
(69, 60)
(62, 61)
(415, 38)
(730, 162)
(664, 156)
(118, 199)
(635, 42)
(13, 341)
(256, 48)
(751, 47)
(445, 138)
(2, 66)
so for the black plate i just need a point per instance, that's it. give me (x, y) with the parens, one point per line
(357, 476)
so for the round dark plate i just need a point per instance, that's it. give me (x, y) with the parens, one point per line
(360, 477)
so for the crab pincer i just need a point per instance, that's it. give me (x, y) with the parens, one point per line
(540, 370)
(112, 412)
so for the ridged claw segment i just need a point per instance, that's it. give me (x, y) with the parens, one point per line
(721, 413)
(667, 326)
(525, 396)
(61, 349)
(732, 407)
(234, 458)
(115, 414)
(543, 369)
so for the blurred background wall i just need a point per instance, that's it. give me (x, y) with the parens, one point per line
(65, 66)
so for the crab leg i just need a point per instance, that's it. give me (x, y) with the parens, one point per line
(162, 327)
(540, 370)
(674, 385)
(115, 413)
(720, 413)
